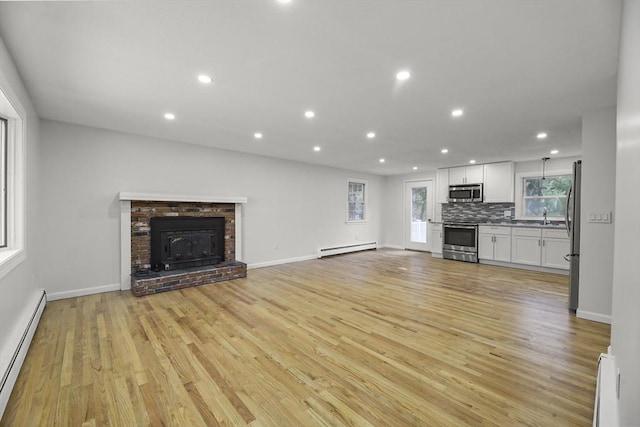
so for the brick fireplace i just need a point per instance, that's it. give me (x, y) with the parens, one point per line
(137, 211)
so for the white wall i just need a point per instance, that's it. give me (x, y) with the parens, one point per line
(394, 208)
(17, 288)
(597, 196)
(625, 319)
(297, 206)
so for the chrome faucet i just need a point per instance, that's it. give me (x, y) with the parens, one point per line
(544, 214)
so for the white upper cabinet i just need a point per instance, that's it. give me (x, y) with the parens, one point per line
(442, 181)
(475, 174)
(466, 175)
(457, 175)
(499, 182)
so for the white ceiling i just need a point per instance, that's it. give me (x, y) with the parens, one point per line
(516, 68)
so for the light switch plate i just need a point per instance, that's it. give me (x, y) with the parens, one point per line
(601, 217)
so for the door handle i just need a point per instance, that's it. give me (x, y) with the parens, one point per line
(567, 220)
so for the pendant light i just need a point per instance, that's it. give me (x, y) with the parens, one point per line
(544, 162)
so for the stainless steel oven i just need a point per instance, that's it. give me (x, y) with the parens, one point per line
(460, 241)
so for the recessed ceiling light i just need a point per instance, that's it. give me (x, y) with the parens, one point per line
(169, 116)
(284, 1)
(554, 151)
(203, 78)
(382, 160)
(257, 135)
(371, 135)
(457, 112)
(541, 135)
(472, 161)
(444, 151)
(316, 148)
(415, 168)
(309, 114)
(403, 75)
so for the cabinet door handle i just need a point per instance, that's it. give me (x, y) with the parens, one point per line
(538, 242)
(543, 242)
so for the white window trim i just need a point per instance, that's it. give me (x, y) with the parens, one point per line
(366, 201)
(520, 189)
(11, 109)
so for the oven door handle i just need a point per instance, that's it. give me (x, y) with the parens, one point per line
(466, 227)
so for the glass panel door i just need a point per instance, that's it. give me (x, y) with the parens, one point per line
(418, 213)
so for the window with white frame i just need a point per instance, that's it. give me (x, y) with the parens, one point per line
(4, 163)
(12, 170)
(356, 201)
(544, 195)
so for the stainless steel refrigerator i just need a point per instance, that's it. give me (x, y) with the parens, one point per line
(572, 218)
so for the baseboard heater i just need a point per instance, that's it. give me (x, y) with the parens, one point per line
(605, 412)
(345, 249)
(19, 342)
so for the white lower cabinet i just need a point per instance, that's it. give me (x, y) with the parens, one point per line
(525, 245)
(436, 239)
(494, 243)
(539, 247)
(555, 246)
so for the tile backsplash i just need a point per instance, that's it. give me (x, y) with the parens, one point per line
(477, 212)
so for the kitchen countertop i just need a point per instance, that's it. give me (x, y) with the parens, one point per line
(526, 225)
(514, 224)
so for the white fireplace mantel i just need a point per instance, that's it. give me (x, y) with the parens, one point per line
(161, 197)
(125, 223)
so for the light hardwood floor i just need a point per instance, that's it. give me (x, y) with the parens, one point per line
(384, 338)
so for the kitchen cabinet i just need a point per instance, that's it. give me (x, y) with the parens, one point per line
(436, 239)
(499, 182)
(539, 247)
(442, 183)
(525, 245)
(466, 175)
(494, 243)
(555, 245)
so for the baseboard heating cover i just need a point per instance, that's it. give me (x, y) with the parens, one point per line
(605, 412)
(14, 354)
(345, 249)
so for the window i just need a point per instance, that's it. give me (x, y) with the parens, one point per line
(356, 201)
(540, 194)
(12, 183)
(3, 182)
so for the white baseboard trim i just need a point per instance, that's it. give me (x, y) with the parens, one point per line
(280, 261)
(596, 317)
(53, 296)
(18, 344)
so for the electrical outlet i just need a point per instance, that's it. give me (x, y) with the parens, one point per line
(507, 213)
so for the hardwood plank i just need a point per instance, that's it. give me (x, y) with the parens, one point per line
(380, 337)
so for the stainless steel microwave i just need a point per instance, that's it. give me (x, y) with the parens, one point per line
(465, 193)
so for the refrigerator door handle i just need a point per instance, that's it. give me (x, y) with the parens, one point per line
(566, 212)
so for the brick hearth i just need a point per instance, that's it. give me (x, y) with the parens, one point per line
(156, 282)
